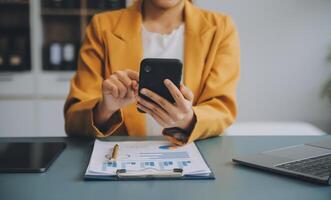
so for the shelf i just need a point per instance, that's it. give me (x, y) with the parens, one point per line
(35, 98)
(17, 84)
(60, 12)
(8, 70)
(15, 47)
(14, 2)
(63, 25)
(54, 84)
(70, 12)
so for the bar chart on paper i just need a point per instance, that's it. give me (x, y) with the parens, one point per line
(146, 155)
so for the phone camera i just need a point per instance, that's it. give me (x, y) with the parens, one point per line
(148, 68)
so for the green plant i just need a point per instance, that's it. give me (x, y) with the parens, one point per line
(327, 88)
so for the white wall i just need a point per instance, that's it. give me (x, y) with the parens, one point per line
(284, 47)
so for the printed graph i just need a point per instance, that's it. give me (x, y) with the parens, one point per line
(164, 155)
(183, 164)
(147, 164)
(168, 147)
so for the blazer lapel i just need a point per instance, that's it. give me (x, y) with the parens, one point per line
(198, 37)
(125, 48)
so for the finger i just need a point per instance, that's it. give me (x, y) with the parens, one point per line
(110, 88)
(132, 74)
(175, 92)
(122, 90)
(130, 94)
(158, 120)
(162, 102)
(187, 93)
(135, 86)
(126, 81)
(155, 116)
(157, 110)
(122, 76)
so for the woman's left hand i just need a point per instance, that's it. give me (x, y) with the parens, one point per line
(168, 115)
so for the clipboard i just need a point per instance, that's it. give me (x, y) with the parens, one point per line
(123, 175)
(152, 174)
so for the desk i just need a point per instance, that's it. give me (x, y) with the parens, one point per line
(269, 128)
(64, 179)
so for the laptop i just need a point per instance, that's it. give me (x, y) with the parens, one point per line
(310, 161)
(28, 156)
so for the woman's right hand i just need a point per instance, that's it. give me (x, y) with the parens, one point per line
(119, 90)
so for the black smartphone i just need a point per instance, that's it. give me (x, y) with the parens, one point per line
(153, 72)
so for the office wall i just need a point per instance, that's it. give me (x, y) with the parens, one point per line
(284, 48)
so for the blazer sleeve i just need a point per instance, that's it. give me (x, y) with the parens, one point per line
(216, 106)
(86, 88)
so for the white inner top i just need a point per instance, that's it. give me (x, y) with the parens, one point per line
(156, 45)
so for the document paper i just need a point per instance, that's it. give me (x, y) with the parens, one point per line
(138, 156)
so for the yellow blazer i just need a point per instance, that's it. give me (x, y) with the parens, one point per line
(113, 42)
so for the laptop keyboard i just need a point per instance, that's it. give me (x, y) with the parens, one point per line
(318, 166)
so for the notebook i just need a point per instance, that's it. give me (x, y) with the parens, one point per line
(146, 160)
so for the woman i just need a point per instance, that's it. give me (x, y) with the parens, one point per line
(103, 96)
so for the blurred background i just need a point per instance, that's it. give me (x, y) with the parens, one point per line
(285, 47)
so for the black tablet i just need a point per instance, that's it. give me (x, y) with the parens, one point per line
(28, 157)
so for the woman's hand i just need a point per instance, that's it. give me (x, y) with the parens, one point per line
(165, 113)
(119, 90)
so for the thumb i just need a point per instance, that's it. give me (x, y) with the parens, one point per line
(135, 87)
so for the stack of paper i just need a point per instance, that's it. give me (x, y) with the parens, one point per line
(154, 156)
